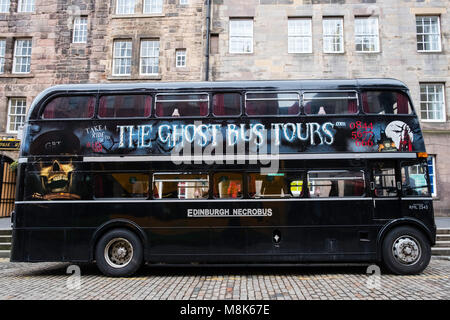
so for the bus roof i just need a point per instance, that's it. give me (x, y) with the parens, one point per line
(316, 84)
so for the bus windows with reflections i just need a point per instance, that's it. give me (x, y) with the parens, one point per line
(339, 183)
(121, 185)
(330, 103)
(227, 104)
(385, 102)
(228, 185)
(180, 186)
(182, 105)
(125, 106)
(414, 180)
(70, 107)
(265, 104)
(384, 179)
(270, 185)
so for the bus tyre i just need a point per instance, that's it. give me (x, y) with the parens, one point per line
(119, 253)
(406, 250)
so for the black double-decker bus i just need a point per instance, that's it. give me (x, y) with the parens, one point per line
(239, 172)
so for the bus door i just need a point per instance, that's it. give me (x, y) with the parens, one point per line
(385, 187)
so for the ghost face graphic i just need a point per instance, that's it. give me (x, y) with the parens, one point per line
(401, 135)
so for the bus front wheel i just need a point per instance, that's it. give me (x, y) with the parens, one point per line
(119, 253)
(406, 250)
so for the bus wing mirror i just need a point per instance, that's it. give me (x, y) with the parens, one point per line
(399, 185)
(372, 186)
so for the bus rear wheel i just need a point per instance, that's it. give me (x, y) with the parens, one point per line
(119, 253)
(406, 250)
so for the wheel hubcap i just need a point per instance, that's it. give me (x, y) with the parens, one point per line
(406, 250)
(118, 252)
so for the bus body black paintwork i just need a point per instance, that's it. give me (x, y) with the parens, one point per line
(309, 229)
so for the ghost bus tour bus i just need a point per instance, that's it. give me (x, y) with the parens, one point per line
(238, 172)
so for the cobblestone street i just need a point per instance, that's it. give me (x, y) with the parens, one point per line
(50, 281)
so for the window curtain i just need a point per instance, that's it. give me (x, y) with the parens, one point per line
(365, 102)
(91, 107)
(352, 106)
(219, 105)
(102, 109)
(148, 106)
(118, 107)
(402, 104)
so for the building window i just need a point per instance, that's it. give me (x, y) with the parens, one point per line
(122, 58)
(184, 2)
(2, 55)
(125, 6)
(25, 6)
(152, 6)
(80, 30)
(366, 34)
(428, 33)
(241, 36)
(432, 105)
(333, 35)
(149, 57)
(16, 114)
(180, 58)
(4, 6)
(299, 35)
(432, 174)
(22, 56)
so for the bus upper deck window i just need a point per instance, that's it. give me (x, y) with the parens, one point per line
(272, 103)
(70, 107)
(182, 105)
(125, 106)
(385, 102)
(228, 185)
(330, 102)
(227, 104)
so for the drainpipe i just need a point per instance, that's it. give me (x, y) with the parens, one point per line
(208, 31)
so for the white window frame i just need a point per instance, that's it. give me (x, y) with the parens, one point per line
(423, 35)
(328, 35)
(122, 58)
(2, 55)
(442, 117)
(367, 32)
(22, 56)
(180, 58)
(184, 2)
(80, 29)
(15, 114)
(301, 32)
(26, 6)
(150, 55)
(152, 6)
(237, 32)
(5, 5)
(433, 180)
(125, 7)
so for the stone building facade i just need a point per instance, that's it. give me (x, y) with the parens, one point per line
(254, 39)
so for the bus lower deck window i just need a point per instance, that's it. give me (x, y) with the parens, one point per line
(180, 186)
(270, 185)
(339, 183)
(228, 185)
(121, 185)
(414, 180)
